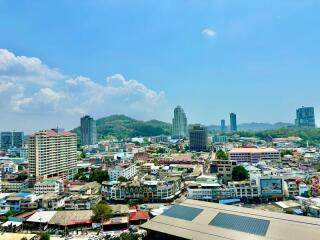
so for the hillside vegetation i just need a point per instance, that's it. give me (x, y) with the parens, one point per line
(121, 126)
(312, 135)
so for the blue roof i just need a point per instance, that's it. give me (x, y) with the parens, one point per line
(229, 201)
(182, 212)
(23, 194)
(297, 211)
(250, 225)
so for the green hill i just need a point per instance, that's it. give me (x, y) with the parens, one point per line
(310, 135)
(121, 126)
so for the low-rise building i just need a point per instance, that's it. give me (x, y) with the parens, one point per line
(145, 190)
(82, 202)
(52, 201)
(254, 155)
(124, 170)
(9, 167)
(244, 190)
(14, 186)
(48, 186)
(207, 188)
(223, 168)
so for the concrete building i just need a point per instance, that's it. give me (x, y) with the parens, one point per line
(223, 168)
(13, 186)
(88, 131)
(254, 155)
(245, 190)
(52, 201)
(52, 154)
(305, 117)
(48, 186)
(11, 139)
(81, 202)
(219, 139)
(223, 125)
(147, 191)
(198, 136)
(207, 188)
(8, 167)
(179, 124)
(233, 122)
(127, 171)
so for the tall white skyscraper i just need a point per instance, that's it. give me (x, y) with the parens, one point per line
(179, 124)
(88, 131)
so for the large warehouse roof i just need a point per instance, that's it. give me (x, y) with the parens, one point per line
(202, 220)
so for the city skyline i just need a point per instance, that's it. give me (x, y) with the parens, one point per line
(248, 61)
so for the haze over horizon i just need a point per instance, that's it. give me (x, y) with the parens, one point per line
(60, 60)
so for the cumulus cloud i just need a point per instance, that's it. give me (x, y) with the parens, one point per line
(29, 86)
(26, 69)
(207, 32)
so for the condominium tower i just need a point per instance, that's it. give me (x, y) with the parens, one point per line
(233, 122)
(198, 136)
(52, 154)
(223, 125)
(11, 139)
(88, 131)
(179, 124)
(305, 117)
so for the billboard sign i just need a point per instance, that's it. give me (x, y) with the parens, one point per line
(271, 187)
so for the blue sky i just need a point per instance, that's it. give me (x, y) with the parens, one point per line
(63, 58)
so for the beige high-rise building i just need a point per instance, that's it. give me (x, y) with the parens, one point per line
(52, 154)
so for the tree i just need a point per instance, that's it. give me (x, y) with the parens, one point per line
(99, 176)
(22, 176)
(44, 236)
(122, 179)
(239, 173)
(101, 213)
(286, 152)
(83, 154)
(127, 236)
(24, 238)
(221, 155)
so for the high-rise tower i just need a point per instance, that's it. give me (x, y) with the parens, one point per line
(179, 124)
(88, 131)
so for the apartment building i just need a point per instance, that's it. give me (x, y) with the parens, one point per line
(8, 167)
(147, 191)
(52, 154)
(254, 155)
(48, 186)
(14, 186)
(206, 188)
(223, 168)
(124, 170)
(244, 190)
(82, 202)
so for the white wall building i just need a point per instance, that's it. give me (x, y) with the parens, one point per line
(254, 155)
(127, 171)
(9, 167)
(48, 186)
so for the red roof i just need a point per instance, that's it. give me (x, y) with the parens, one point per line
(139, 215)
(51, 133)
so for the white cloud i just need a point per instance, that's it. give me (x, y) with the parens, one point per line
(207, 32)
(26, 69)
(30, 87)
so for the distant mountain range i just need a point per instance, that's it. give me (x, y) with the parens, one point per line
(122, 126)
(254, 126)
